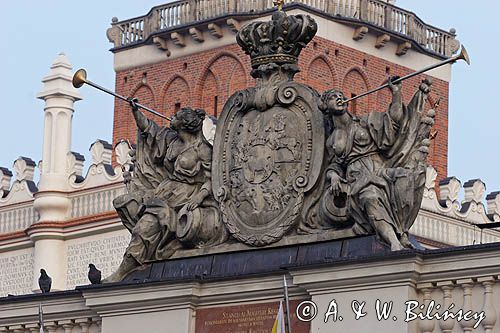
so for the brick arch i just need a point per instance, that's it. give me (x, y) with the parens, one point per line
(145, 95)
(238, 79)
(356, 82)
(321, 74)
(384, 98)
(223, 67)
(176, 94)
(147, 98)
(210, 89)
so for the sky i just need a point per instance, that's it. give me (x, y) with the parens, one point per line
(35, 32)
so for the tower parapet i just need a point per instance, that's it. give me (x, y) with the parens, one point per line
(382, 16)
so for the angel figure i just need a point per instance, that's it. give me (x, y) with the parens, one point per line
(171, 176)
(376, 165)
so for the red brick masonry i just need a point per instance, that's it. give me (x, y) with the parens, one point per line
(208, 78)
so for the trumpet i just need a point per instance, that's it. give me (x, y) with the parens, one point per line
(462, 56)
(80, 78)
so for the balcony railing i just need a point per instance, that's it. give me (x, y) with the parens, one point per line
(375, 12)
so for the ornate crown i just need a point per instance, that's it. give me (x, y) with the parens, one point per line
(279, 40)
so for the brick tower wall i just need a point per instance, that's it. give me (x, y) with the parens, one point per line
(208, 78)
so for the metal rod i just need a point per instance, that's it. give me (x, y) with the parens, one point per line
(462, 55)
(40, 318)
(287, 301)
(90, 83)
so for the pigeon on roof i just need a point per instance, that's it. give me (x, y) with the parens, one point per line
(94, 274)
(44, 281)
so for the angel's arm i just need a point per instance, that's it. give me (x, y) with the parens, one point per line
(396, 107)
(140, 119)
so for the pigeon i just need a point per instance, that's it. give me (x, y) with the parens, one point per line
(44, 281)
(94, 274)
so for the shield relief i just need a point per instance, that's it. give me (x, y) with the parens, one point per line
(268, 152)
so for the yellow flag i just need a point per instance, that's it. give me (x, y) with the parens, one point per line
(279, 323)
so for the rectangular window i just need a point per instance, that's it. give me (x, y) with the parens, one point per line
(353, 104)
(216, 102)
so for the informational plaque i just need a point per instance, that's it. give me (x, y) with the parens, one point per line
(249, 318)
(16, 275)
(105, 252)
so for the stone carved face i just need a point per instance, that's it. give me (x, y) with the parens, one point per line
(331, 103)
(188, 119)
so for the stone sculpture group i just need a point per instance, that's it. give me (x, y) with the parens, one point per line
(285, 161)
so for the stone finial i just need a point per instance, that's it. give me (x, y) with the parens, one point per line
(23, 187)
(101, 152)
(122, 150)
(474, 190)
(430, 178)
(58, 81)
(452, 44)
(5, 177)
(24, 168)
(449, 189)
(114, 33)
(493, 203)
(75, 163)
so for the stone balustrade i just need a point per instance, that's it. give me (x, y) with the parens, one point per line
(95, 201)
(17, 217)
(477, 293)
(378, 13)
(82, 325)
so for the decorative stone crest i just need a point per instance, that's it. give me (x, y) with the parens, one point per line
(263, 162)
(269, 136)
(5, 177)
(101, 152)
(122, 151)
(24, 168)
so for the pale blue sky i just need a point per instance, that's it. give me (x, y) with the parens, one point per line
(34, 32)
